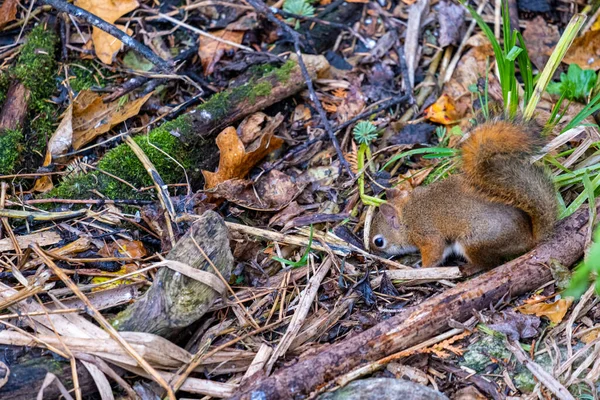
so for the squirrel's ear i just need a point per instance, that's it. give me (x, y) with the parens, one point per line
(396, 196)
(390, 214)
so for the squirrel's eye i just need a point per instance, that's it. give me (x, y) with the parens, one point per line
(379, 241)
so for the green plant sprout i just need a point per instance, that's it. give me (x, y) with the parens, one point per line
(298, 7)
(302, 261)
(364, 133)
(576, 84)
(590, 267)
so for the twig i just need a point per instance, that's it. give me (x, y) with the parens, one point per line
(99, 23)
(545, 378)
(103, 323)
(386, 104)
(260, 7)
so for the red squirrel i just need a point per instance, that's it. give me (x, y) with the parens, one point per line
(499, 206)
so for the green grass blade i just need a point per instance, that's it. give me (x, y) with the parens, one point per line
(574, 206)
(433, 152)
(526, 70)
(555, 59)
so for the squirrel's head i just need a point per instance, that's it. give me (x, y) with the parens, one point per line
(389, 234)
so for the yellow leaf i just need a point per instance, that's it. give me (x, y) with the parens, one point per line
(555, 312)
(106, 45)
(110, 11)
(443, 111)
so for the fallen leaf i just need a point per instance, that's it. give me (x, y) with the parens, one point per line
(352, 105)
(236, 161)
(8, 12)
(555, 311)
(585, 51)
(124, 248)
(591, 336)
(514, 325)
(596, 26)
(107, 46)
(451, 18)
(59, 144)
(443, 111)
(92, 117)
(469, 69)
(272, 192)
(110, 11)
(251, 127)
(291, 211)
(211, 50)
(540, 39)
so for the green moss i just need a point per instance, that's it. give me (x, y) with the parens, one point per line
(123, 163)
(36, 66)
(4, 83)
(83, 76)
(283, 73)
(10, 143)
(260, 89)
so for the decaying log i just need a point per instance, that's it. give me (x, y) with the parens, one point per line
(175, 301)
(251, 97)
(14, 109)
(427, 319)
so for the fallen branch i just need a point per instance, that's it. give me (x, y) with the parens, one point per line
(427, 319)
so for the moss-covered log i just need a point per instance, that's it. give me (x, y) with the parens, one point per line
(175, 301)
(189, 138)
(33, 82)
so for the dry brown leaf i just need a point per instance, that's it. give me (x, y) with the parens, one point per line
(469, 69)
(251, 127)
(59, 144)
(110, 11)
(585, 51)
(8, 12)
(540, 38)
(555, 311)
(591, 336)
(124, 248)
(236, 161)
(107, 46)
(92, 117)
(272, 192)
(211, 51)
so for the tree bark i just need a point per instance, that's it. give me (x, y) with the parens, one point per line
(427, 319)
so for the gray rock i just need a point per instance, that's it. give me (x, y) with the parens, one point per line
(384, 389)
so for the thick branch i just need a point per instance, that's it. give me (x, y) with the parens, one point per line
(428, 318)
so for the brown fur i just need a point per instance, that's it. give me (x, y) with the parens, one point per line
(498, 208)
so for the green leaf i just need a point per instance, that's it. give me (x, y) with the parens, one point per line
(576, 84)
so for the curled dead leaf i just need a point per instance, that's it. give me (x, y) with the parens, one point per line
(92, 117)
(236, 161)
(555, 311)
(272, 192)
(8, 12)
(443, 111)
(211, 50)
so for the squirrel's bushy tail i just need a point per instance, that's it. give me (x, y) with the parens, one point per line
(496, 163)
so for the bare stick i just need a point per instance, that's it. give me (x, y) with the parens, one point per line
(99, 23)
(260, 6)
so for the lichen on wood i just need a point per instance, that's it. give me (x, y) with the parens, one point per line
(175, 301)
